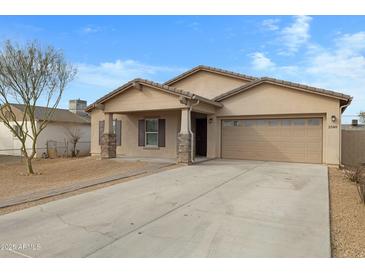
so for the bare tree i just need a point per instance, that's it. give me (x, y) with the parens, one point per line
(30, 75)
(74, 137)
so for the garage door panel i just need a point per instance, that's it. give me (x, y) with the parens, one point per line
(291, 140)
(314, 132)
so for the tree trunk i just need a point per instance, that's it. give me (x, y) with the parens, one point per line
(28, 160)
(29, 165)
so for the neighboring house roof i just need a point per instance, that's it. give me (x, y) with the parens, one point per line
(165, 88)
(297, 86)
(59, 115)
(210, 69)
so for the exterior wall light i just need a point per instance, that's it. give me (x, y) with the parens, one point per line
(333, 118)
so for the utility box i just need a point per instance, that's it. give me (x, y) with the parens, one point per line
(52, 149)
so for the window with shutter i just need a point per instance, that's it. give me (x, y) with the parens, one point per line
(151, 139)
(141, 133)
(161, 132)
(118, 132)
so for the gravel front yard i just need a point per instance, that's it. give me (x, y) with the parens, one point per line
(347, 217)
(58, 172)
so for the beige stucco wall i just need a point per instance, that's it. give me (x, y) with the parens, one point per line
(208, 84)
(140, 100)
(132, 105)
(59, 132)
(10, 144)
(55, 131)
(267, 100)
(129, 145)
(96, 116)
(204, 108)
(213, 137)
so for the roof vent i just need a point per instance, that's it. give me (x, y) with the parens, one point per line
(354, 123)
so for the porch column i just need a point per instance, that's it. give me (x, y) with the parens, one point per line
(108, 141)
(184, 138)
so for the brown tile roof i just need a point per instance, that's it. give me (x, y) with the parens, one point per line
(259, 81)
(60, 115)
(211, 69)
(216, 101)
(165, 88)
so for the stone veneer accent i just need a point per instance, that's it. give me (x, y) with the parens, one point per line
(184, 148)
(108, 146)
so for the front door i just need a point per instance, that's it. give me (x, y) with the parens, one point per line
(201, 137)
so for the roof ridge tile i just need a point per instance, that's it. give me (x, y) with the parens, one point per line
(213, 69)
(283, 82)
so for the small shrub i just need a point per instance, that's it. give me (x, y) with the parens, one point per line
(354, 174)
(357, 175)
(360, 185)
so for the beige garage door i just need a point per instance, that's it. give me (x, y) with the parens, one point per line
(288, 140)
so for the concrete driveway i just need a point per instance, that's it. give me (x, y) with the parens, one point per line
(218, 208)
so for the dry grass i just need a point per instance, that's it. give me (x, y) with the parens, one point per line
(347, 217)
(57, 172)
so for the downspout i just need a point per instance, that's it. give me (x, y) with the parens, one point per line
(189, 128)
(340, 145)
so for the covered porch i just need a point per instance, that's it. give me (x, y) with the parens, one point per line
(145, 119)
(180, 135)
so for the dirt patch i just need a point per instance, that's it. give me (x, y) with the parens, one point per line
(6, 159)
(58, 172)
(91, 188)
(347, 217)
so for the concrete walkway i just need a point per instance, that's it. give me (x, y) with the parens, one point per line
(214, 209)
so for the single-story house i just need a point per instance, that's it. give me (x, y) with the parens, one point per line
(56, 137)
(208, 112)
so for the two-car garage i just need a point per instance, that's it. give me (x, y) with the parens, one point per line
(273, 139)
(273, 120)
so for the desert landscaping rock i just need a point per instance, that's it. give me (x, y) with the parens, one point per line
(347, 217)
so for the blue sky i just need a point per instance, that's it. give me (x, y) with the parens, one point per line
(324, 51)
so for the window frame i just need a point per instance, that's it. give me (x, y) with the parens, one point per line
(151, 132)
(314, 122)
(299, 122)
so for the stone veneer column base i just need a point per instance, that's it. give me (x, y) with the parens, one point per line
(108, 146)
(184, 148)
